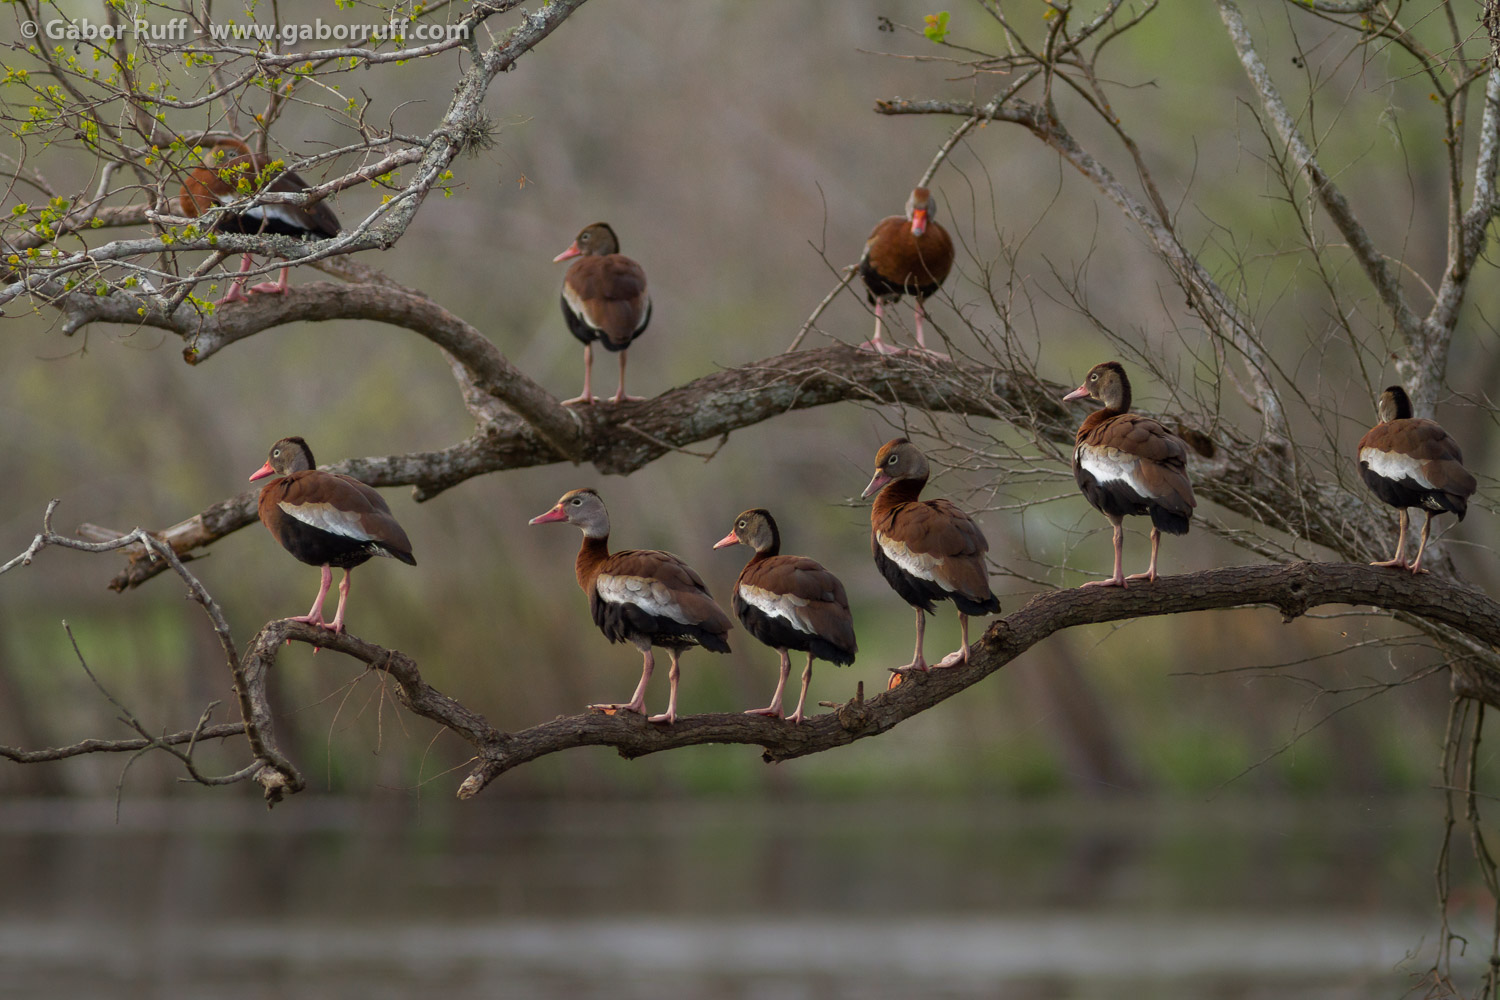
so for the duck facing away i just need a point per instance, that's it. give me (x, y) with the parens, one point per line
(788, 602)
(905, 255)
(604, 300)
(1412, 462)
(1126, 463)
(231, 173)
(927, 550)
(326, 519)
(641, 596)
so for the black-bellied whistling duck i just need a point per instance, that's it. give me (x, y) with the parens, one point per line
(231, 173)
(603, 299)
(641, 596)
(326, 519)
(788, 602)
(1126, 463)
(1412, 462)
(927, 550)
(905, 255)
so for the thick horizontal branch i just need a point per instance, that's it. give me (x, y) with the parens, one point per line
(619, 440)
(1292, 589)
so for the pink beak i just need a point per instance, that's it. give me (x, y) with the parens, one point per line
(919, 222)
(729, 539)
(555, 514)
(880, 482)
(263, 472)
(569, 253)
(1078, 393)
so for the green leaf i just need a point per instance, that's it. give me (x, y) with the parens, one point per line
(937, 26)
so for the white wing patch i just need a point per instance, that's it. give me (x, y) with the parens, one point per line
(575, 306)
(774, 605)
(651, 596)
(1394, 466)
(1108, 465)
(917, 564)
(327, 518)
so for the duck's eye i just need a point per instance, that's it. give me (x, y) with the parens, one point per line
(577, 501)
(1094, 377)
(742, 524)
(891, 460)
(276, 453)
(584, 238)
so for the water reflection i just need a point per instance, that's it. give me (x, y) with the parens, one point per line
(753, 901)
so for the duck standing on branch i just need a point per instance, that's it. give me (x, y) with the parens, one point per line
(927, 550)
(326, 519)
(1126, 463)
(641, 596)
(231, 173)
(788, 602)
(1412, 462)
(908, 255)
(603, 299)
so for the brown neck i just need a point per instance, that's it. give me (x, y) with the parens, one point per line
(1094, 420)
(591, 556)
(900, 492)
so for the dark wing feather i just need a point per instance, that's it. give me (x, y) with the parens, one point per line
(897, 263)
(939, 529)
(685, 587)
(344, 503)
(608, 293)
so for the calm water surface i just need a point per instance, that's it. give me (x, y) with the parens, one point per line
(761, 900)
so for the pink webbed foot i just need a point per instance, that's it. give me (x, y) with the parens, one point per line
(774, 711)
(1398, 562)
(627, 398)
(879, 346)
(635, 708)
(667, 717)
(268, 288)
(956, 658)
(796, 717)
(1149, 576)
(1114, 581)
(588, 399)
(918, 666)
(236, 293)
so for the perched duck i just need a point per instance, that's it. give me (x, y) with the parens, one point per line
(641, 596)
(788, 602)
(325, 519)
(905, 255)
(927, 550)
(231, 173)
(603, 299)
(1126, 463)
(1412, 462)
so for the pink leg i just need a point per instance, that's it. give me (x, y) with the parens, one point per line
(1150, 574)
(796, 717)
(876, 344)
(922, 347)
(1399, 559)
(236, 291)
(315, 616)
(277, 287)
(774, 709)
(337, 625)
(620, 396)
(637, 703)
(1416, 565)
(1118, 580)
(918, 662)
(588, 378)
(670, 715)
(961, 654)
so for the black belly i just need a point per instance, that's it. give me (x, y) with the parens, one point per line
(1118, 498)
(317, 547)
(249, 225)
(1402, 493)
(891, 290)
(589, 334)
(635, 625)
(778, 633)
(920, 593)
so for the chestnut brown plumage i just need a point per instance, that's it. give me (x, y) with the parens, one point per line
(641, 596)
(604, 300)
(788, 602)
(1412, 462)
(1126, 463)
(325, 519)
(905, 255)
(927, 550)
(231, 173)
